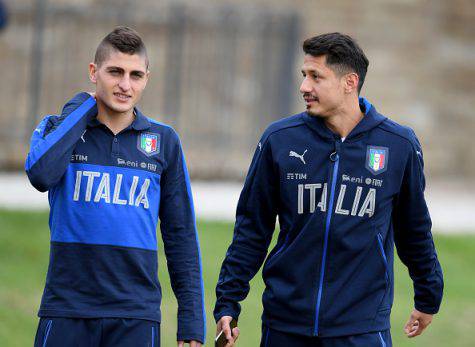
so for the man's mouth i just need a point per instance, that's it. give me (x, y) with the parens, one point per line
(122, 96)
(309, 99)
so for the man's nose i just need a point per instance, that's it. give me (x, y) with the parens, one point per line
(305, 87)
(124, 83)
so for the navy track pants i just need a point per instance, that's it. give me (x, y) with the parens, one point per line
(274, 338)
(97, 332)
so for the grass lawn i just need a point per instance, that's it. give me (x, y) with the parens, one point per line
(24, 252)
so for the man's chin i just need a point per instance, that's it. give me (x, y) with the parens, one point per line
(115, 107)
(124, 108)
(314, 113)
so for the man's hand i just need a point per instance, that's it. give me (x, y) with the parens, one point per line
(417, 322)
(193, 343)
(223, 324)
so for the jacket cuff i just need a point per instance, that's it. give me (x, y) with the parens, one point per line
(191, 337)
(426, 309)
(218, 316)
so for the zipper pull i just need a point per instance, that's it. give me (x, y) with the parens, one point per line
(335, 155)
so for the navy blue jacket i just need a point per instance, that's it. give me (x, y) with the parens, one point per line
(106, 195)
(341, 207)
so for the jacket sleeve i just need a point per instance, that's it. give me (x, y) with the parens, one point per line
(180, 238)
(255, 222)
(413, 237)
(53, 141)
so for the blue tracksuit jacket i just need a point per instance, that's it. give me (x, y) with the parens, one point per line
(341, 207)
(106, 195)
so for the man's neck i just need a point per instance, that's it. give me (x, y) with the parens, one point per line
(345, 119)
(115, 121)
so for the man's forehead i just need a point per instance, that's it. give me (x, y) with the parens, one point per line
(125, 61)
(314, 63)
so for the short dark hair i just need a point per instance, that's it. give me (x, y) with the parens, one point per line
(123, 39)
(342, 54)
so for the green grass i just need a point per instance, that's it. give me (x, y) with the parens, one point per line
(24, 250)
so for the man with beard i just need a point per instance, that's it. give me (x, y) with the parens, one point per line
(346, 183)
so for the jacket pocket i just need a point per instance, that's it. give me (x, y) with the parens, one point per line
(280, 249)
(384, 305)
(384, 258)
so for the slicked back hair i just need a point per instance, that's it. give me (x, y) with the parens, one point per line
(342, 54)
(122, 39)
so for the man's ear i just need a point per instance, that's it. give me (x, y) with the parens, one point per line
(92, 72)
(147, 76)
(351, 83)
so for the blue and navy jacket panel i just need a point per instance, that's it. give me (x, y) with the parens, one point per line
(107, 193)
(341, 207)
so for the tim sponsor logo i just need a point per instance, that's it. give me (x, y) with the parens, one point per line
(296, 176)
(79, 158)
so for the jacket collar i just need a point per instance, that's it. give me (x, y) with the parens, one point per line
(140, 122)
(370, 120)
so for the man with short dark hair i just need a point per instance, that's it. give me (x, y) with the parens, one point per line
(111, 173)
(347, 184)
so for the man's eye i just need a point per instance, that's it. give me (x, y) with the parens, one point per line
(114, 72)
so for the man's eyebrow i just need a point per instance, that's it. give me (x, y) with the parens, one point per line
(117, 68)
(309, 70)
(114, 68)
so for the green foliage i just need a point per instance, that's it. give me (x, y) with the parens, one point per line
(24, 254)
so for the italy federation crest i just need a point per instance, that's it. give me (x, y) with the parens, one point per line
(377, 159)
(148, 143)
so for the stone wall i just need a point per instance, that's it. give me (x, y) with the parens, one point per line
(421, 74)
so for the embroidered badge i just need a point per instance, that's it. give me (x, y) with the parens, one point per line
(148, 143)
(377, 159)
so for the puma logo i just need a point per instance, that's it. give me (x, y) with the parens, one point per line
(296, 155)
(82, 136)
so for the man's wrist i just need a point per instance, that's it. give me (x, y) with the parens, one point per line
(426, 309)
(190, 337)
(220, 315)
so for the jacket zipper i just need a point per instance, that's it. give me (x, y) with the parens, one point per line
(336, 159)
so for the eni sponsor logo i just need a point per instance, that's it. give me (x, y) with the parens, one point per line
(128, 163)
(362, 180)
(136, 164)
